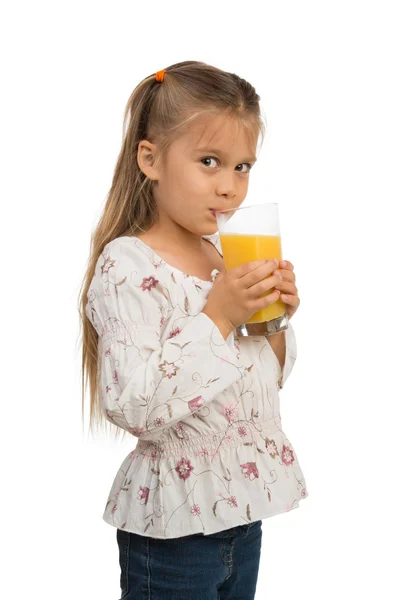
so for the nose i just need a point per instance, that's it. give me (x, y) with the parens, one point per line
(226, 186)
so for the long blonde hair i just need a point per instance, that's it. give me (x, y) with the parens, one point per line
(157, 112)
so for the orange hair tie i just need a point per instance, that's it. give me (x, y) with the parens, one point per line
(160, 75)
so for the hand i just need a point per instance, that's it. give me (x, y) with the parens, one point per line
(236, 294)
(288, 288)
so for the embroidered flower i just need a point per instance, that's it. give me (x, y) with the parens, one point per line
(196, 403)
(303, 493)
(108, 389)
(169, 369)
(184, 468)
(232, 501)
(162, 320)
(202, 452)
(180, 430)
(108, 263)
(250, 470)
(159, 421)
(148, 283)
(137, 431)
(271, 447)
(143, 494)
(107, 352)
(115, 376)
(174, 332)
(195, 510)
(242, 431)
(287, 455)
(231, 411)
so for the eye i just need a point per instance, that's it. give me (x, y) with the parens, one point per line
(248, 165)
(208, 158)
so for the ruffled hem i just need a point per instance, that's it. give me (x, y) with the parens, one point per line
(136, 526)
(171, 497)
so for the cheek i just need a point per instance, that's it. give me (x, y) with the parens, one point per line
(194, 184)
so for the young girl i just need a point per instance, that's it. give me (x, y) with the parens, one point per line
(159, 316)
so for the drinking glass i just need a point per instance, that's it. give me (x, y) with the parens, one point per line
(252, 233)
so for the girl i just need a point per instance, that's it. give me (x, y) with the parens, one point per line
(159, 314)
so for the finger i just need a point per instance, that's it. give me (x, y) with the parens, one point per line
(290, 299)
(287, 275)
(286, 264)
(287, 287)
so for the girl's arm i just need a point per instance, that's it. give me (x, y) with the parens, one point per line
(146, 385)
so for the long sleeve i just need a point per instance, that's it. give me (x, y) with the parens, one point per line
(152, 375)
(290, 356)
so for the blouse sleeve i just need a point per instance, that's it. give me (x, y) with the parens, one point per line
(290, 356)
(148, 385)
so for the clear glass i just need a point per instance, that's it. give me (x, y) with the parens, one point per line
(252, 233)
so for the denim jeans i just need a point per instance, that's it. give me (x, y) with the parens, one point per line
(218, 566)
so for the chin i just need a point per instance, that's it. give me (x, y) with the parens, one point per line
(212, 229)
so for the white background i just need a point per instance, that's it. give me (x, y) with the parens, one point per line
(328, 76)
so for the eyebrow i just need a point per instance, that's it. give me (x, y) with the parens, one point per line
(214, 151)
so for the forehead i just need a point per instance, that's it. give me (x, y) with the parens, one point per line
(220, 132)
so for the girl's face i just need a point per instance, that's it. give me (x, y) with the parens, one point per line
(205, 169)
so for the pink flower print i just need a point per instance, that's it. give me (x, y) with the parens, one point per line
(107, 352)
(250, 470)
(202, 452)
(162, 320)
(180, 430)
(115, 376)
(271, 447)
(148, 283)
(230, 411)
(196, 403)
(232, 501)
(174, 332)
(184, 468)
(143, 494)
(287, 455)
(107, 292)
(108, 263)
(242, 431)
(108, 389)
(303, 493)
(195, 510)
(159, 421)
(137, 431)
(169, 369)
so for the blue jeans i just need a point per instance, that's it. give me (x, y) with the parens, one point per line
(218, 566)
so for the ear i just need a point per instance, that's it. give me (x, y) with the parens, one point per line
(147, 159)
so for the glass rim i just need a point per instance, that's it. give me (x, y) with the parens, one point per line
(220, 212)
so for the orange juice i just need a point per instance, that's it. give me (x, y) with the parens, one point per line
(239, 249)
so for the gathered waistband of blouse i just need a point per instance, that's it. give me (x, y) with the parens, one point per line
(242, 433)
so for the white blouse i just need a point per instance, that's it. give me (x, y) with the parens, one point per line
(211, 453)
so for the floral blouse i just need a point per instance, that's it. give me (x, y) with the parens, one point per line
(211, 453)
